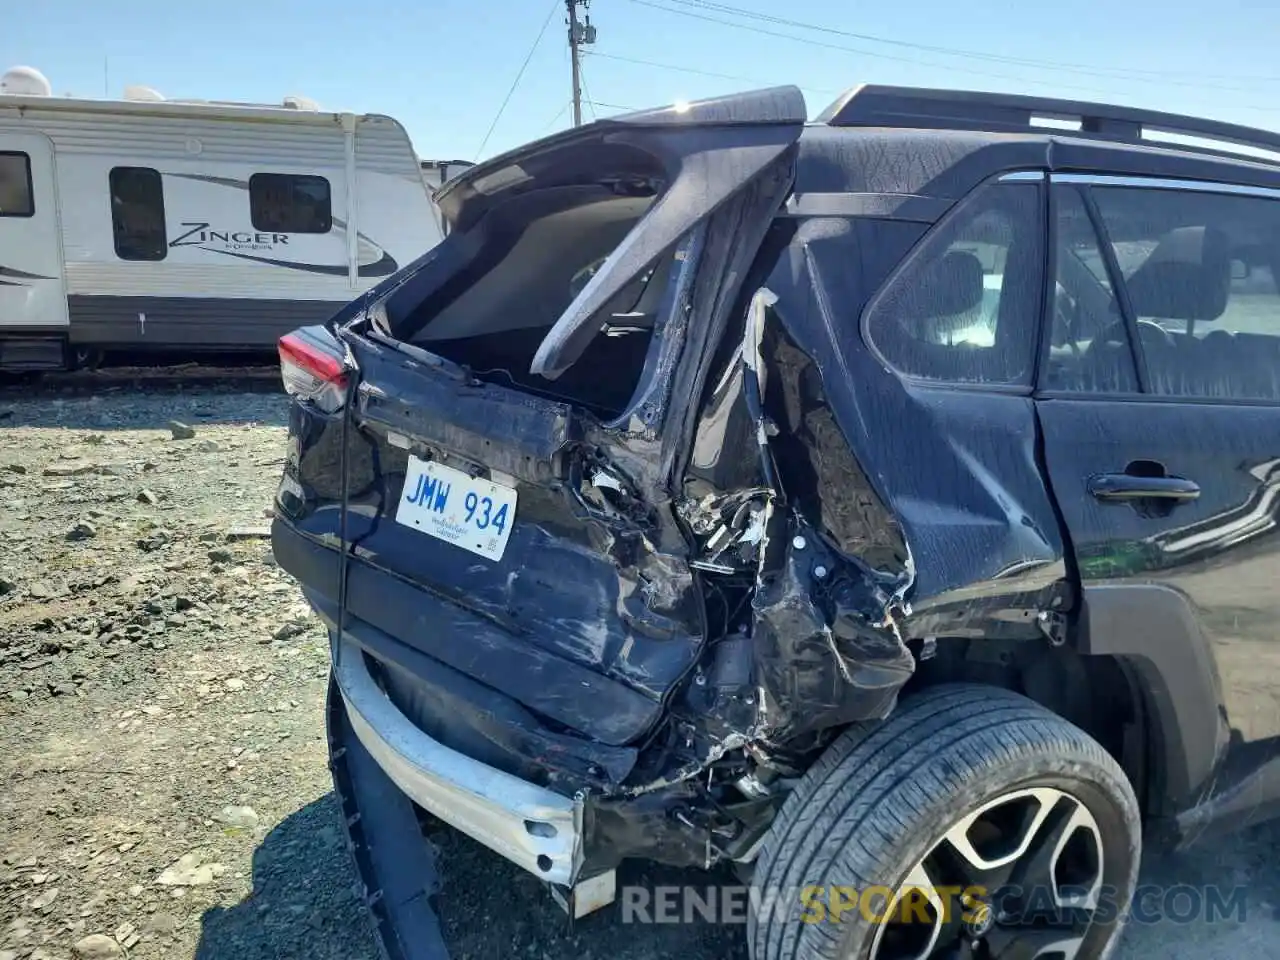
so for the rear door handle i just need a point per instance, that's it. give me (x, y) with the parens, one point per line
(1121, 487)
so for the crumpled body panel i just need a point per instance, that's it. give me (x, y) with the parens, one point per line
(897, 511)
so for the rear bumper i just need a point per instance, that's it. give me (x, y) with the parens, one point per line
(531, 826)
(394, 860)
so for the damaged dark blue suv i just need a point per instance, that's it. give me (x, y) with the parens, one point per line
(885, 504)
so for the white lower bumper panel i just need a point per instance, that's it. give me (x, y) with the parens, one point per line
(529, 825)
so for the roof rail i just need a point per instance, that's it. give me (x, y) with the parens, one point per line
(872, 105)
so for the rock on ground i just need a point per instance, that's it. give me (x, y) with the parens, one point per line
(181, 431)
(97, 946)
(243, 817)
(188, 871)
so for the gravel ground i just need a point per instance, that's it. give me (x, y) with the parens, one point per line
(163, 787)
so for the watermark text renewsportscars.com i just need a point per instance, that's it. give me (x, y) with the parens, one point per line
(1150, 904)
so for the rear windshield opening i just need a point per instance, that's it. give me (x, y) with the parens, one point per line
(536, 255)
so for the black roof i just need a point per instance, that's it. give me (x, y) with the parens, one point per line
(933, 145)
(942, 143)
(872, 105)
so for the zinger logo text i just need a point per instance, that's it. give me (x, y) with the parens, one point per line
(200, 233)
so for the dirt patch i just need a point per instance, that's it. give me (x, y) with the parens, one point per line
(163, 783)
(161, 684)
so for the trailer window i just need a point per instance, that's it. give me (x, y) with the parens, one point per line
(290, 203)
(16, 198)
(137, 214)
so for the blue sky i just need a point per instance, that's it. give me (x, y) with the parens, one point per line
(443, 67)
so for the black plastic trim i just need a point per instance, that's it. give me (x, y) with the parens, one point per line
(395, 862)
(1120, 290)
(1152, 627)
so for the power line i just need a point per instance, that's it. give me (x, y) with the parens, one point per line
(914, 61)
(1087, 69)
(529, 56)
(613, 106)
(564, 108)
(701, 73)
(591, 104)
(829, 46)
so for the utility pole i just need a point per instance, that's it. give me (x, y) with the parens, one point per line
(580, 33)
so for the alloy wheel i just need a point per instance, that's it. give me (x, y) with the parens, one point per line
(1020, 878)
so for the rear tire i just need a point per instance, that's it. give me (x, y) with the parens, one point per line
(885, 802)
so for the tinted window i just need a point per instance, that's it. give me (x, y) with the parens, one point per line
(965, 308)
(1200, 272)
(137, 214)
(290, 203)
(15, 185)
(1089, 345)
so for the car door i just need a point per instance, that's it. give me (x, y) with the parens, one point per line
(1159, 404)
(32, 295)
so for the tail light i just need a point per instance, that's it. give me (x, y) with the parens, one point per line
(311, 366)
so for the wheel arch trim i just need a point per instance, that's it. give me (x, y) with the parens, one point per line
(1155, 631)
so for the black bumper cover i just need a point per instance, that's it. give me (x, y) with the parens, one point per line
(395, 862)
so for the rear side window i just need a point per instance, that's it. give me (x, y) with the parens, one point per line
(16, 198)
(1200, 273)
(137, 213)
(965, 308)
(290, 203)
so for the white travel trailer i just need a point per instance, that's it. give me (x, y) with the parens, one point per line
(439, 172)
(147, 223)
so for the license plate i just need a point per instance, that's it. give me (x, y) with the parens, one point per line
(452, 506)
